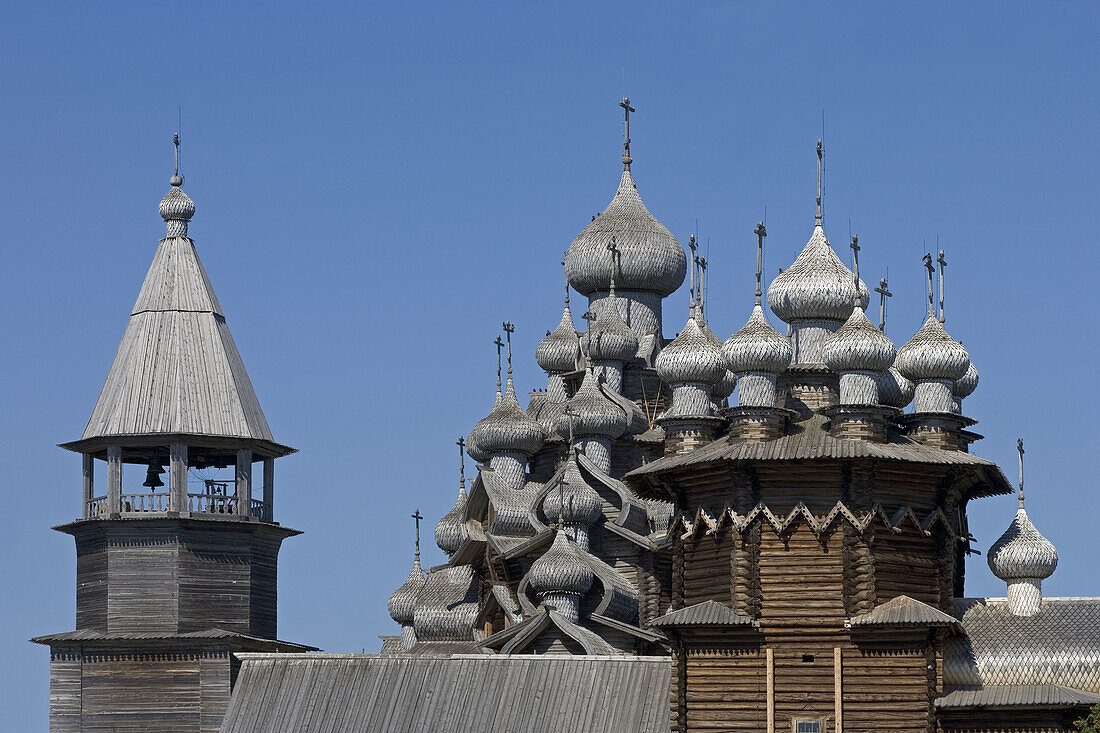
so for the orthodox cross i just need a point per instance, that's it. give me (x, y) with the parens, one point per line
(627, 109)
(416, 518)
(461, 443)
(1020, 448)
(760, 233)
(883, 293)
(571, 415)
(500, 345)
(820, 165)
(702, 282)
(928, 266)
(693, 247)
(566, 284)
(509, 329)
(176, 175)
(943, 264)
(588, 318)
(613, 248)
(855, 262)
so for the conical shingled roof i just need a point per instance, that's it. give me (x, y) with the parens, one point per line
(177, 370)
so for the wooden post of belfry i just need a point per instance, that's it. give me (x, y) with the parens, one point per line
(269, 489)
(88, 481)
(177, 477)
(838, 690)
(771, 689)
(114, 479)
(244, 482)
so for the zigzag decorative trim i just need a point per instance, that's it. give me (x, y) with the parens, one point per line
(705, 523)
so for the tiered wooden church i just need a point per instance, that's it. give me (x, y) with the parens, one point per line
(749, 535)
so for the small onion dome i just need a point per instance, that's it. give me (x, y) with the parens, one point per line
(650, 258)
(582, 504)
(176, 206)
(757, 347)
(932, 354)
(691, 358)
(595, 413)
(858, 346)
(448, 533)
(965, 386)
(724, 387)
(403, 601)
(559, 351)
(817, 285)
(473, 448)
(1022, 553)
(559, 570)
(894, 390)
(611, 339)
(507, 427)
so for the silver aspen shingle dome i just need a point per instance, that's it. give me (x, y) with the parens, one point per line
(583, 504)
(932, 354)
(894, 390)
(858, 346)
(560, 570)
(724, 387)
(176, 206)
(691, 358)
(965, 385)
(473, 448)
(816, 286)
(757, 347)
(595, 413)
(651, 258)
(402, 603)
(610, 338)
(559, 350)
(1022, 553)
(507, 428)
(448, 533)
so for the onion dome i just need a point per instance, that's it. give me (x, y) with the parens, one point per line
(177, 206)
(610, 338)
(858, 346)
(816, 286)
(724, 387)
(582, 504)
(932, 354)
(1022, 553)
(757, 347)
(559, 351)
(651, 258)
(594, 413)
(691, 358)
(473, 448)
(448, 533)
(894, 390)
(559, 570)
(402, 603)
(965, 385)
(507, 428)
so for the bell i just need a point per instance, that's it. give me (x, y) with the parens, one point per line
(152, 476)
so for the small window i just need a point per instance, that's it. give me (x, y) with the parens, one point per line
(808, 658)
(808, 726)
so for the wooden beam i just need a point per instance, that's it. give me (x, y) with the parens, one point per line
(771, 689)
(838, 690)
(114, 479)
(269, 489)
(177, 478)
(88, 476)
(244, 482)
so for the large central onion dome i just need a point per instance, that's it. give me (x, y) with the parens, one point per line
(507, 428)
(651, 258)
(1022, 553)
(691, 358)
(758, 347)
(559, 570)
(858, 346)
(559, 351)
(611, 339)
(816, 286)
(595, 414)
(932, 354)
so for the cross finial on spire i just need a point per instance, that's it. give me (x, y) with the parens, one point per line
(566, 284)
(509, 329)
(943, 263)
(692, 245)
(855, 263)
(760, 233)
(1020, 448)
(177, 179)
(571, 415)
(613, 248)
(884, 293)
(627, 109)
(820, 165)
(461, 443)
(702, 285)
(500, 345)
(416, 518)
(931, 270)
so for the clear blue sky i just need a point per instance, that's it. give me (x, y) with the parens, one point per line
(378, 187)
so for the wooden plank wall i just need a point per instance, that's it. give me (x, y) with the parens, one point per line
(65, 702)
(801, 579)
(707, 569)
(906, 564)
(91, 582)
(725, 685)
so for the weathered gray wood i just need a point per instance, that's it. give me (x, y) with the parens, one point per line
(177, 478)
(114, 479)
(244, 482)
(269, 489)
(88, 476)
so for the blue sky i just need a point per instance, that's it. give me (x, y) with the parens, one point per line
(379, 186)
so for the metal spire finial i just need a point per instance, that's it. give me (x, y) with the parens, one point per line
(943, 264)
(177, 179)
(884, 293)
(500, 345)
(509, 329)
(820, 165)
(572, 415)
(1020, 447)
(588, 319)
(613, 248)
(692, 245)
(702, 287)
(416, 518)
(566, 285)
(461, 443)
(760, 233)
(627, 109)
(931, 270)
(855, 264)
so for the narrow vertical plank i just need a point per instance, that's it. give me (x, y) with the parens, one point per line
(244, 482)
(88, 475)
(838, 690)
(771, 690)
(177, 478)
(114, 479)
(269, 489)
